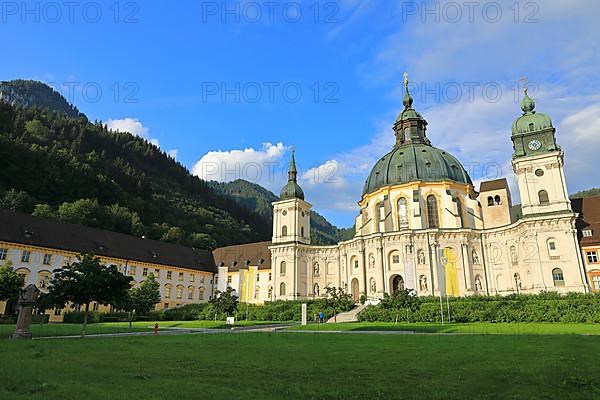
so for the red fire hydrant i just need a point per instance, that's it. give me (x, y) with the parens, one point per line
(156, 328)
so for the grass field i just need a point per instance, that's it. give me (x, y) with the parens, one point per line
(48, 330)
(301, 365)
(465, 328)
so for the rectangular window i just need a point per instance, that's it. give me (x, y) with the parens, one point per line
(169, 275)
(166, 306)
(145, 272)
(229, 279)
(181, 276)
(552, 245)
(25, 256)
(396, 259)
(201, 279)
(586, 233)
(270, 276)
(257, 278)
(592, 257)
(157, 273)
(57, 311)
(596, 282)
(167, 292)
(47, 259)
(96, 305)
(192, 277)
(3, 254)
(132, 270)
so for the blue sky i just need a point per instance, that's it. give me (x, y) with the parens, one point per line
(186, 75)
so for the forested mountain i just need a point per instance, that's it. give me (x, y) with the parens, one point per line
(22, 93)
(586, 193)
(55, 163)
(58, 166)
(259, 199)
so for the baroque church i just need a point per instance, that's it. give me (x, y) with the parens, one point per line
(423, 226)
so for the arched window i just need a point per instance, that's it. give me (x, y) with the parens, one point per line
(167, 291)
(543, 197)
(490, 201)
(301, 231)
(558, 277)
(190, 293)
(497, 200)
(179, 292)
(402, 214)
(406, 134)
(201, 294)
(513, 255)
(432, 212)
(282, 268)
(284, 231)
(282, 289)
(256, 292)
(270, 292)
(459, 210)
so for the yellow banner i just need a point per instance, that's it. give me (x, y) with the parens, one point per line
(451, 272)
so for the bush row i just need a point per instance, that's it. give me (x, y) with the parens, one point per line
(545, 307)
(271, 311)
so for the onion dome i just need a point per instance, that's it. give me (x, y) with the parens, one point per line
(530, 121)
(292, 190)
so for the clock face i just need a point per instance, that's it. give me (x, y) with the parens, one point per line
(534, 145)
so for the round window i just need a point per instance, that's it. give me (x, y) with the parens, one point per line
(284, 212)
(539, 172)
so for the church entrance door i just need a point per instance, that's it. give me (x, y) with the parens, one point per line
(397, 283)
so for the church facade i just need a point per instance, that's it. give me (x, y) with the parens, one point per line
(423, 226)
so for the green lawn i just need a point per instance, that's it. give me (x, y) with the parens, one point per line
(72, 329)
(296, 366)
(47, 330)
(466, 328)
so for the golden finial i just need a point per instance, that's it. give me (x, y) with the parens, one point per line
(405, 75)
(524, 80)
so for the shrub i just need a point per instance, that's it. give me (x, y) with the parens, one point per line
(544, 307)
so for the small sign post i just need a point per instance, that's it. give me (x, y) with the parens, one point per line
(230, 321)
(304, 314)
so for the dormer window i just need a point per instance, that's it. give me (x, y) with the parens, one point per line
(28, 234)
(531, 126)
(587, 233)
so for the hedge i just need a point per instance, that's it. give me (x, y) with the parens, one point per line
(545, 307)
(271, 311)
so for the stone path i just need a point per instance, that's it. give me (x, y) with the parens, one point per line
(350, 316)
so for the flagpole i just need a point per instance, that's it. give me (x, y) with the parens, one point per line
(437, 254)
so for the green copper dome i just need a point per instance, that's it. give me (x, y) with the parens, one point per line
(415, 162)
(292, 190)
(530, 121)
(413, 157)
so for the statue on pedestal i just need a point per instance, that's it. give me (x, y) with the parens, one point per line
(27, 299)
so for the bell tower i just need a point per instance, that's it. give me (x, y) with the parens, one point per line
(291, 214)
(538, 162)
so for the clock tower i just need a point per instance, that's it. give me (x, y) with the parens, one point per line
(538, 162)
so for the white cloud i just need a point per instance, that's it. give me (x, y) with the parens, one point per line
(133, 126)
(265, 166)
(173, 153)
